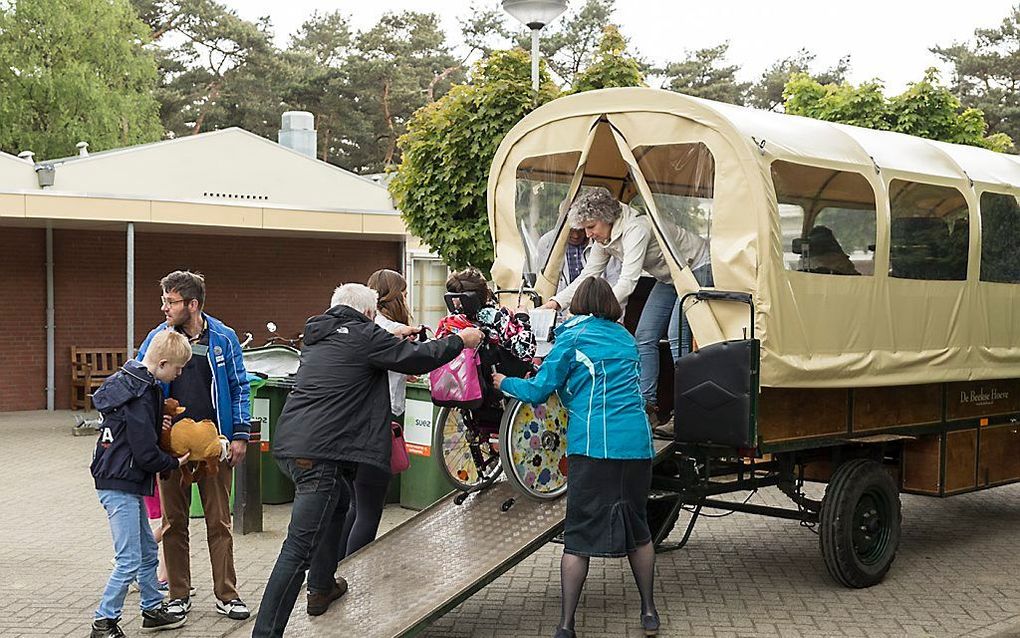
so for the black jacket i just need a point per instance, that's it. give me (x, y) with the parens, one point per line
(127, 455)
(339, 409)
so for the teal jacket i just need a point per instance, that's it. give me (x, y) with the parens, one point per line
(230, 392)
(594, 365)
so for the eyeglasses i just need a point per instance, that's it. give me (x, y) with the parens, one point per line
(170, 302)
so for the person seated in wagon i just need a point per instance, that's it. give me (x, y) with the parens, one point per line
(618, 231)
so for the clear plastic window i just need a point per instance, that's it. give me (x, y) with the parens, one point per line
(827, 218)
(1000, 238)
(681, 178)
(542, 185)
(929, 232)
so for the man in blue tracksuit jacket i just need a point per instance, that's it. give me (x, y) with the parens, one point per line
(214, 386)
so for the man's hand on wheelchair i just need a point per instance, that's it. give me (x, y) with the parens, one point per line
(406, 332)
(471, 336)
(497, 379)
(551, 304)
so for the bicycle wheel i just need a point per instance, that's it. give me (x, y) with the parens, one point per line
(534, 448)
(467, 458)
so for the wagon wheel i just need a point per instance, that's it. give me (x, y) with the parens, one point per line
(534, 448)
(467, 461)
(859, 528)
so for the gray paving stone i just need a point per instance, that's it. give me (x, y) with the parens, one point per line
(741, 576)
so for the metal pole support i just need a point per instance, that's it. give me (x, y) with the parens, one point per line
(248, 486)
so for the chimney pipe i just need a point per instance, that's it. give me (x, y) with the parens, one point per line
(297, 132)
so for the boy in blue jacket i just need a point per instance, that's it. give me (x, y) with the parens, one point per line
(124, 465)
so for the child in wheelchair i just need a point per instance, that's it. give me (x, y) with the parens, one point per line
(509, 347)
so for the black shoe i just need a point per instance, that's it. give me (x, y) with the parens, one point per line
(650, 623)
(159, 618)
(106, 628)
(563, 632)
(319, 603)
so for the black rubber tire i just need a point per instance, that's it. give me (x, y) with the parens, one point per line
(859, 527)
(438, 440)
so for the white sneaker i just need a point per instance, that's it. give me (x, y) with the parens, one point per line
(233, 609)
(179, 606)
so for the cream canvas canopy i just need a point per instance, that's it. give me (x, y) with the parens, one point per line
(873, 258)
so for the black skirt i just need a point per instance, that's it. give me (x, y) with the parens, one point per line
(606, 502)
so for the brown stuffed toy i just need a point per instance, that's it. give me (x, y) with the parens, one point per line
(200, 438)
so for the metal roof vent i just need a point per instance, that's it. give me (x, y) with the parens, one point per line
(83, 149)
(297, 132)
(28, 156)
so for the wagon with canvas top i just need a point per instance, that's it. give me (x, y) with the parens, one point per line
(864, 326)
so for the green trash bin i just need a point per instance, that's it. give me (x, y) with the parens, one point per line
(267, 405)
(422, 483)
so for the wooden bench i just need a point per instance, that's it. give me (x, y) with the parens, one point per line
(89, 368)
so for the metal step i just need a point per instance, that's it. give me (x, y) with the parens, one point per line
(434, 561)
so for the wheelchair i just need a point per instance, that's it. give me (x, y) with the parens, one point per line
(473, 447)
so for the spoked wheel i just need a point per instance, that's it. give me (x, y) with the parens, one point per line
(859, 528)
(466, 460)
(534, 447)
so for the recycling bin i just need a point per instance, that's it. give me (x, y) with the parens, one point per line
(267, 405)
(422, 483)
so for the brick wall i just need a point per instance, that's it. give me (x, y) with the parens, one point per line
(250, 280)
(22, 319)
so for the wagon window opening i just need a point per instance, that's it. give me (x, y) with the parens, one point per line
(681, 178)
(827, 219)
(1000, 238)
(542, 186)
(929, 231)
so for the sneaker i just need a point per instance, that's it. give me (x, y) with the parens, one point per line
(159, 618)
(179, 606)
(319, 603)
(234, 609)
(106, 628)
(164, 586)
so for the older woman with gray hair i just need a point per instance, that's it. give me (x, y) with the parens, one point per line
(620, 231)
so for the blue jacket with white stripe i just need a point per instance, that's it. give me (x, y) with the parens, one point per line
(229, 391)
(594, 365)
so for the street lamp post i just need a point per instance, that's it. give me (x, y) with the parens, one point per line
(535, 14)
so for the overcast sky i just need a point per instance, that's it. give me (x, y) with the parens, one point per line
(887, 39)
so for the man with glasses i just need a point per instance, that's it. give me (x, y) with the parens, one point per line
(214, 386)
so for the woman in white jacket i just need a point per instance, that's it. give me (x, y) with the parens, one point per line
(619, 231)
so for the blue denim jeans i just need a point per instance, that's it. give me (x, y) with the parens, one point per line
(135, 553)
(661, 316)
(658, 318)
(321, 499)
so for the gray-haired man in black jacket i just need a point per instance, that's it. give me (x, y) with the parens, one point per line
(337, 415)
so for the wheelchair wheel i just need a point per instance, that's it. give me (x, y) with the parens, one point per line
(469, 459)
(533, 448)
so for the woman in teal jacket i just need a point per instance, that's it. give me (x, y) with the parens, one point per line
(594, 365)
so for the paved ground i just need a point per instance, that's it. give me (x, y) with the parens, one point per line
(741, 576)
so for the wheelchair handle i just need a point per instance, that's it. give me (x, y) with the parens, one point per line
(721, 295)
(530, 292)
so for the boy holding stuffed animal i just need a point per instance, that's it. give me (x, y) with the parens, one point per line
(125, 463)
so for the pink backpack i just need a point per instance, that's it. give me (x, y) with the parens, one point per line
(457, 384)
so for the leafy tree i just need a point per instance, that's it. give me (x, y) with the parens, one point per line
(610, 67)
(74, 70)
(926, 109)
(767, 92)
(986, 73)
(215, 65)
(439, 186)
(704, 73)
(447, 151)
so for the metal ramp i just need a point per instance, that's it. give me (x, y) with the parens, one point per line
(432, 562)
